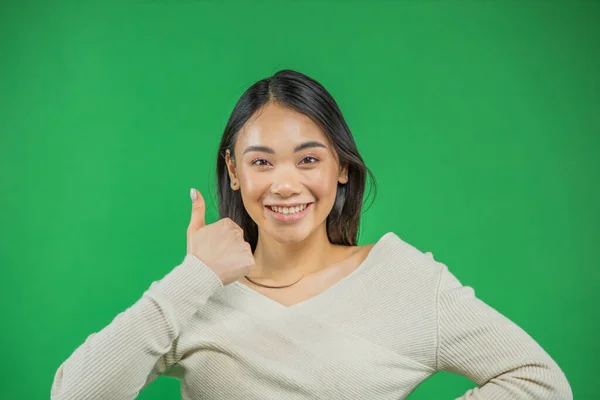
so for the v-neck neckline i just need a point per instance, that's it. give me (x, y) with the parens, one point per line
(376, 248)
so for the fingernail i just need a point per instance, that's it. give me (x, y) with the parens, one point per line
(193, 194)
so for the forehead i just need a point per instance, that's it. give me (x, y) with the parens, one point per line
(280, 128)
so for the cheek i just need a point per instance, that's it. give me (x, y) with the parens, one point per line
(253, 187)
(324, 184)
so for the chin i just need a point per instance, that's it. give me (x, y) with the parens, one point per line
(288, 235)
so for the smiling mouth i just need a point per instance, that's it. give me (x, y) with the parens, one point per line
(290, 216)
(288, 210)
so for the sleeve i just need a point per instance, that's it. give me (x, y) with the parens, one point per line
(476, 341)
(137, 346)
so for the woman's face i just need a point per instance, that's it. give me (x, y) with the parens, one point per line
(269, 172)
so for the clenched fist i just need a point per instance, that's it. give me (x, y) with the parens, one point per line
(220, 245)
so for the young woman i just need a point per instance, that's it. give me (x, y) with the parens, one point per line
(276, 300)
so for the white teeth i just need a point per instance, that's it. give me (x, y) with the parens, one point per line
(288, 210)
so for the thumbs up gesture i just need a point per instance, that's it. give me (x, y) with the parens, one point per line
(220, 245)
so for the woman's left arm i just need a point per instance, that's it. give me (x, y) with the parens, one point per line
(476, 341)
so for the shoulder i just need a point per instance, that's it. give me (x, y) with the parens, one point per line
(406, 261)
(402, 283)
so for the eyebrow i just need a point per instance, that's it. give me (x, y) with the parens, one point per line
(298, 148)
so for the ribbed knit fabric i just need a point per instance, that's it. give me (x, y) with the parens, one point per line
(398, 318)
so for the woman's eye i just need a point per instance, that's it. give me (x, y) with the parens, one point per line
(256, 162)
(305, 158)
(258, 159)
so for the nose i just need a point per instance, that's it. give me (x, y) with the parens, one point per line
(286, 182)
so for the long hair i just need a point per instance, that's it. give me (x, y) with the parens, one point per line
(305, 95)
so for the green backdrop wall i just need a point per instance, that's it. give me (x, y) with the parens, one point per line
(480, 121)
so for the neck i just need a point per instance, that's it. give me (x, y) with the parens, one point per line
(279, 263)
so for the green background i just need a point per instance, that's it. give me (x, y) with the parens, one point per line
(480, 121)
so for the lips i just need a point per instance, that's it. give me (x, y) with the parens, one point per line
(288, 207)
(289, 217)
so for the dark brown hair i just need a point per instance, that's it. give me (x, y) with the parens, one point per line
(304, 95)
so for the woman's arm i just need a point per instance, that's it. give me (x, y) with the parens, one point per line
(137, 346)
(476, 341)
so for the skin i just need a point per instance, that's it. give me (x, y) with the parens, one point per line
(286, 251)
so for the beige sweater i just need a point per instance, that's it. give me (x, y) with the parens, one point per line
(376, 334)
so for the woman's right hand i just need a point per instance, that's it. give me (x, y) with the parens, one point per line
(220, 245)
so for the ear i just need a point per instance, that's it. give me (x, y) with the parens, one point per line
(343, 175)
(232, 170)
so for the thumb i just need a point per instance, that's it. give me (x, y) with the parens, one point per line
(198, 211)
